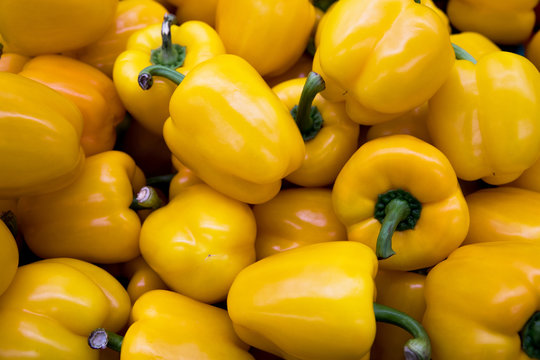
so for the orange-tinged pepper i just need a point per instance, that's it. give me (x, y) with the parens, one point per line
(202, 10)
(532, 50)
(90, 219)
(40, 144)
(300, 69)
(92, 91)
(11, 62)
(9, 257)
(142, 278)
(35, 27)
(183, 178)
(476, 44)
(485, 118)
(52, 306)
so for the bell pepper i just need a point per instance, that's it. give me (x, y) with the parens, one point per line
(229, 127)
(403, 291)
(529, 179)
(9, 256)
(504, 22)
(11, 62)
(296, 217)
(483, 302)
(183, 178)
(168, 325)
(300, 69)
(36, 27)
(199, 241)
(202, 10)
(90, 219)
(476, 44)
(386, 61)
(400, 195)
(41, 132)
(315, 302)
(532, 50)
(52, 306)
(142, 278)
(270, 35)
(485, 117)
(330, 136)
(130, 16)
(178, 47)
(92, 91)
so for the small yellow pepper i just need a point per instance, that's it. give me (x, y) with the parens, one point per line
(11, 62)
(199, 241)
(183, 178)
(532, 50)
(401, 183)
(483, 302)
(300, 69)
(52, 306)
(142, 278)
(476, 44)
(92, 91)
(9, 256)
(41, 132)
(294, 218)
(90, 219)
(202, 10)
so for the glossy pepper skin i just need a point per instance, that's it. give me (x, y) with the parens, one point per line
(479, 299)
(36, 27)
(41, 132)
(202, 10)
(90, 219)
(151, 108)
(476, 44)
(142, 278)
(52, 305)
(386, 61)
(294, 218)
(504, 22)
(229, 127)
(92, 91)
(199, 241)
(485, 117)
(270, 35)
(384, 165)
(130, 16)
(183, 178)
(9, 257)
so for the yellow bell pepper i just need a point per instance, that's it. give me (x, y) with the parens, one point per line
(41, 132)
(11, 62)
(529, 179)
(483, 302)
(384, 57)
(229, 127)
(35, 27)
(178, 47)
(532, 50)
(401, 183)
(90, 219)
(52, 306)
(142, 278)
(294, 218)
(92, 91)
(485, 117)
(330, 136)
(9, 256)
(202, 10)
(270, 35)
(183, 178)
(199, 241)
(168, 325)
(504, 22)
(130, 16)
(476, 44)
(300, 69)
(315, 302)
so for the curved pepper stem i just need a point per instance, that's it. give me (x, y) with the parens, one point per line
(308, 118)
(418, 348)
(146, 79)
(530, 336)
(100, 339)
(462, 54)
(146, 198)
(396, 210)
(169, 54)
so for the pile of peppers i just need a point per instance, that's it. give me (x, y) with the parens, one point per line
(270, 179)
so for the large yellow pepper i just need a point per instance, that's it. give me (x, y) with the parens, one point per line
(532, 51)
(294, 218)
(34, 27)
(504, 22)
(384, 57)
(485, 118)
(401, 183)
(9, 256)
(168, 325)
(41, 132)
(92, 91)
(270, 35)
(52, 306)
(483, 302)
(178, 47)
(330, 136)
(202, 10)
(229, 127)
(90, 219)
(315, 302)
(199, 241)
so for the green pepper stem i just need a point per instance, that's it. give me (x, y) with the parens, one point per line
(418, 1)
(323, 4)
(168, 54)
(160, 179)
(396, 211)
(146, 198)
(418, 348)
(530, 336)
(100, 339)
(146, 75)
(308, 118)
(462, 54)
